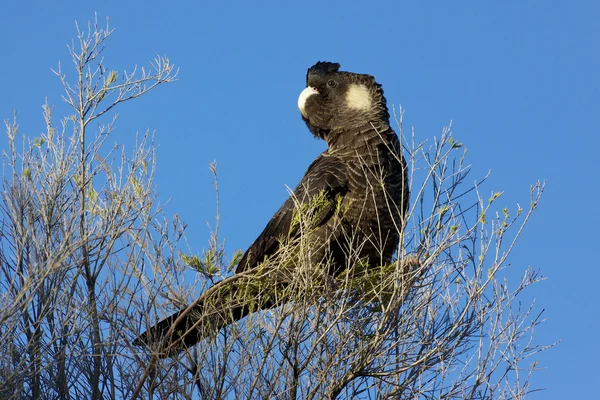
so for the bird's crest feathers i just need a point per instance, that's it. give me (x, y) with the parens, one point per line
(322, 68)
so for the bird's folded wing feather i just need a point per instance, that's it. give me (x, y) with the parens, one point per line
(327, 175)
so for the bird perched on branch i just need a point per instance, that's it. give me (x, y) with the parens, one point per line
(362, 182)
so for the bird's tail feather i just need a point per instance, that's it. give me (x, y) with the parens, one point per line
(222, 304)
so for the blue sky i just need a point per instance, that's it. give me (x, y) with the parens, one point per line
(518, 79)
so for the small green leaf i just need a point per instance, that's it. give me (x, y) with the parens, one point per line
(204, 267)
(137, 187)
(92, 201)
(454, 144)
(519, 210)
(482, 218)
(443, 210)
(237, 257)
(111, 78)
(495, 196)
(192, 261)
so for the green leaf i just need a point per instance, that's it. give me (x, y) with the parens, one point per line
(137, 187)
(454, 144)
(519, 210)
(482, 218)
(495, 196)
(111, 78)
(443, 210)
(204, 267)
(237, 257)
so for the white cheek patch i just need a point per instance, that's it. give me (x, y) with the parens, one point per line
(304, 95)
(358, 97)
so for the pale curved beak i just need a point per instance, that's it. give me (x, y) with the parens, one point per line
(304, 95)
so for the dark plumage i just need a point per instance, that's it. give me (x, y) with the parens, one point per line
(362, 173)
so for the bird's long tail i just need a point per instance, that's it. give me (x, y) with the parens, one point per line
(222, 304)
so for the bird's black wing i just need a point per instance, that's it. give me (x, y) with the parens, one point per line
(327, 175)
(218, 307)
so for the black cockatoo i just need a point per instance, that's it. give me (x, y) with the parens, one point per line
(362, 173)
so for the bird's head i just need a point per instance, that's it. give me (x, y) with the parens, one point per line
(336, 101)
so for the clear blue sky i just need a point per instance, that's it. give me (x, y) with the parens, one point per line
(519, 79)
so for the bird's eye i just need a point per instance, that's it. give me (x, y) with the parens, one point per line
(331, 83)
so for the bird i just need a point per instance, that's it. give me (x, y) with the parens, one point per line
(361, 182)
